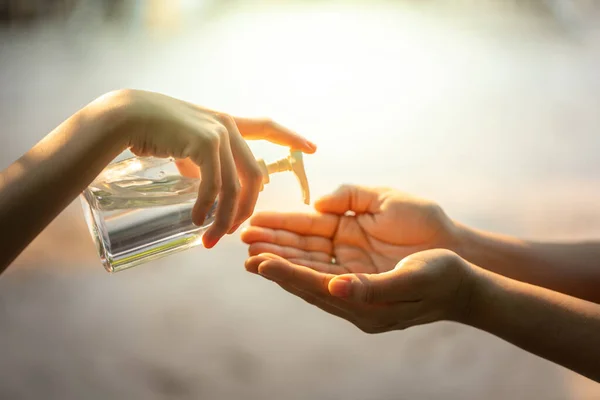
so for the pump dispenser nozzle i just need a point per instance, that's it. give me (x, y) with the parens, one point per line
(294, 163)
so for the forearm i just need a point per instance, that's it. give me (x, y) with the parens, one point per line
(38, 186)
(559, 328)
(573, 269)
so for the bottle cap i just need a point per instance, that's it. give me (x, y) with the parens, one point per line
(293, 163)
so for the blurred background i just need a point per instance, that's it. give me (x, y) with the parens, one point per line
(489, 107)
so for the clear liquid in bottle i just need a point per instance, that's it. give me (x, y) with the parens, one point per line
(140, 209)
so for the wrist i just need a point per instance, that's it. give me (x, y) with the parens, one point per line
(108, 114)
(471, 246)
(467, 242)
(461, 308)
(486, 289)
(458, 238)
(471, 294)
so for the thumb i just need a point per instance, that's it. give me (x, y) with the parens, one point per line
(356, 199)
(401, 284)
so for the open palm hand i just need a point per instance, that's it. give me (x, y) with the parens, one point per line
(355, 230)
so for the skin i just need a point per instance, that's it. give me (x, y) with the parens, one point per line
(38, 186)
(400, 261)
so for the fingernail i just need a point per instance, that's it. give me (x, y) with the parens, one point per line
(311, 145)
(340, 287)
(209, 242)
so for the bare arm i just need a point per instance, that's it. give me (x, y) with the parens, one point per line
(557, 327)
(569, 268)
(38, 186)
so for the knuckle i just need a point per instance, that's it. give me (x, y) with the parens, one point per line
(247, 214)
(232, 189)
(136, 151)
(254, 173)
(212, 140)
(240, 218)
(225, 119)
(221, 132)
(368, 293)
(190, 150)
(212, 188)
(245, 211)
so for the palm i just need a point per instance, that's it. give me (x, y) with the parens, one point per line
(356, 249)
(392, 226)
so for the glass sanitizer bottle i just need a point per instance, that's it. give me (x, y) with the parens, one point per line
(139, 209)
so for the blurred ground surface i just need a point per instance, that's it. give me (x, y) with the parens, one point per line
(493, 112)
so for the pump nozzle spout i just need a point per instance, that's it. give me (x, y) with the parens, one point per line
(294, 163)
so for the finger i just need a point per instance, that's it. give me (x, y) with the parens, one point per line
(283, 271)
(265, 129)
(288, 252)
(228, 196)
(249, 172)
(280, 237)
(356, 199)
(187, 168)
(321, 266)
(207, 158)
(253, 262)
(300, 223)
(409, 313)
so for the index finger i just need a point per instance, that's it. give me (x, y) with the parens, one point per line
(304, 224)
(265, 129)
(257, 234)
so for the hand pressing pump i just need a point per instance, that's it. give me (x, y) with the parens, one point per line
(139, 209)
